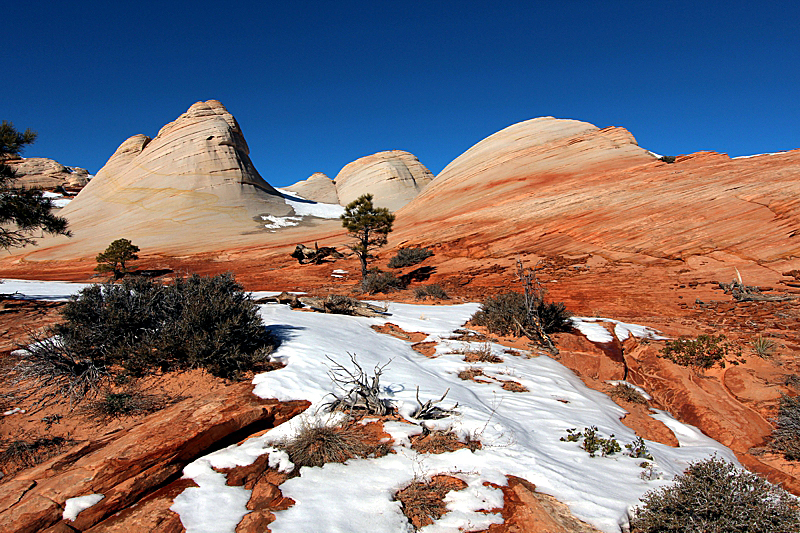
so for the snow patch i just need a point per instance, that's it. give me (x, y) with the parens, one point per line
(73, 506)
(593, 329)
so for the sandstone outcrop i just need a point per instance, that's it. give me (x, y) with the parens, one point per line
(554, 186)
(141, 464)
(317, 188)
(43, 173)
(394, 178)
(193, 180)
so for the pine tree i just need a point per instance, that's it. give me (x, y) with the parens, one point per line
(113, 259)
(368, 225)
(23, 212)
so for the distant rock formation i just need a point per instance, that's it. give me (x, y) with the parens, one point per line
(394, 178)
(317, 188)
(43, 173)
(552, 186)
(194, 179)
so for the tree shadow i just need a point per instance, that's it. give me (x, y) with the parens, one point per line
(418, 274)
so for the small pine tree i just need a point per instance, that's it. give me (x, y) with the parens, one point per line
(115, 257)
(22, 211)
(368, 225)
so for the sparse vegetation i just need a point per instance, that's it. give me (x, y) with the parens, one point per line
(592, 442)
(703, 352)
(440, 441)
(714, 496)
(507, 314)
(481, 354)
(423, 502)
(115, 258)
(139, 327)
(627, 393)
(470, 373)
(786, 436)
(126, 403)
(409, 256)
(379, 281)
(20, 454)
(667, 158)
(434, 290)
(315, 445)
(762, 346)
(368, 225)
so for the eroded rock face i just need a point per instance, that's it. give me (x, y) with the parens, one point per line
(554, 186)
(136, 465)
(194, 178)
(43, 173)
(394, 178)
(317, 188)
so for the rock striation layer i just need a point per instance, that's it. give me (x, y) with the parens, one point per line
(43, 173)
(317, 188)
(194, 179)
(551, 186)
(394, 178)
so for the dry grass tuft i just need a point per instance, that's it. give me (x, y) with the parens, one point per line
(316, 445)
(481, 354)
(423, 503)
(21, 454)
(439, 441)
(513, 386)
(627, 393)
(470, 373)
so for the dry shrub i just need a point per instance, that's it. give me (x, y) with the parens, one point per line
(423, 503)
(433, 290)
(513, 386)
(409, 256)
(470, 373)
(21, 454)
(482, 354)
(714, 496)
(703, 352)
(507, 314)
(315, 445)
(621, 391)
(439, 441)
(786, 437)
(378, 281)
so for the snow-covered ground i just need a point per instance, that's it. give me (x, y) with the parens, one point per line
(302, 208)
(520, 431)
(58, 199)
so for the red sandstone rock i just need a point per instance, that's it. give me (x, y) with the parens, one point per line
(127, 467)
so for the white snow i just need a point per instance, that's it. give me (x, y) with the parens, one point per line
(520, 432)
(303, 207)
(757, 155)
(73, 506)
(280, 222)
(16, 409)
(41, 290)
(58, 199)
(593, 329)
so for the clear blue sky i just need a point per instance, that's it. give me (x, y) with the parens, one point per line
(315, 85)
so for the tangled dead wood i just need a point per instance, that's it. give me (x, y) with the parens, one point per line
(361, 391)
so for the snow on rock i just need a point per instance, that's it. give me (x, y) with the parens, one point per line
(520, 432)
(73, 506)
(303, 207)
(592, 328)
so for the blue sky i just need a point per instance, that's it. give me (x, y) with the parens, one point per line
(317, 85)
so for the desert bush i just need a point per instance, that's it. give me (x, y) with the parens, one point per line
(433, 290)
(714, 496)
(627, 393)
(667, 158)
(440, 441)
(703, 352)
(361, 390)
(507, 314)
(409, 256)
(762, 346)
(378, 281)
(139, 327)
(315, 445)
(786, 436)
(592, 442)
(481, 354)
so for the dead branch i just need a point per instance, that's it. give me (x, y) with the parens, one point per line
(429, 410)
(534, 294)
(361, 391)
